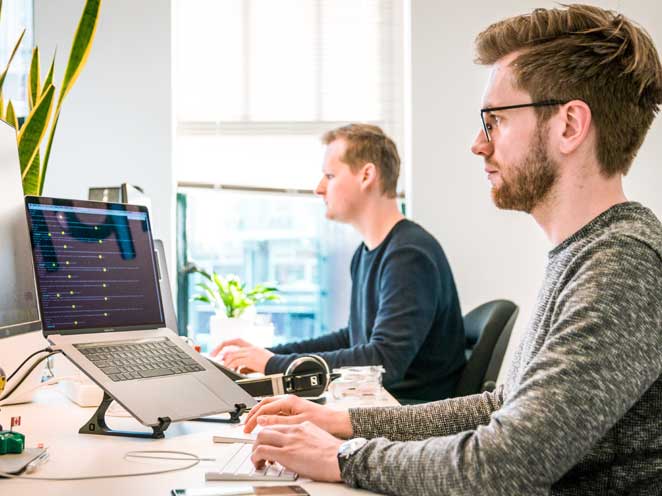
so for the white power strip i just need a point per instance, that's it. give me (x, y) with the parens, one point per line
(81, 391)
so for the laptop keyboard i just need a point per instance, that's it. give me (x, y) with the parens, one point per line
(240, 467)
(139, 360)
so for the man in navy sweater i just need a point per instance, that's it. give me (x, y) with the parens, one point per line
(404, 313)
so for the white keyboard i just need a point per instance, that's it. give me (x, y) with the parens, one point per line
(240, 467)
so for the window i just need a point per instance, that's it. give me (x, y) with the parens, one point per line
(256, 84)
(16, 16)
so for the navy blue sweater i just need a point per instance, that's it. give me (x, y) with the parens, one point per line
(404, 315)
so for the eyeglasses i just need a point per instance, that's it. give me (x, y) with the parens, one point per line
(488, 126)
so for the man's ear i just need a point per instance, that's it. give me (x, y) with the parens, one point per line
(368, 175)
(575, 126)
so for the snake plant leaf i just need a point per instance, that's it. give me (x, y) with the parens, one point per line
(3, 75)
(80, 50)
(33, 131)
(34, 79)
(10, 116)
(49, 76)
(31, 179)
(81, 46)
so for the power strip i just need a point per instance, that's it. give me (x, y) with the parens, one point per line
(81, 392)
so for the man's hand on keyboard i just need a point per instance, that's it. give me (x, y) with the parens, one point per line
(290, 409)
(303, 448)
(239, 353)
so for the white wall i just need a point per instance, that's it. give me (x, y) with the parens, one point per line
(116, 123)
(494, 254)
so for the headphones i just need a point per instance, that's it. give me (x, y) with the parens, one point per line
(307, 376)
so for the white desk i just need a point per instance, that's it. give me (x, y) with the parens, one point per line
(54, 421)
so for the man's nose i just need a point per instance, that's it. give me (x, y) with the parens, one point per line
(481, 146)
(320, 189)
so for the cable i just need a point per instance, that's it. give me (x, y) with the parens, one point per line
(34, 365)
(195, 460)
(26, 361)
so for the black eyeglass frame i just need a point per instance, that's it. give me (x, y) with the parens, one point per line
(545, 103)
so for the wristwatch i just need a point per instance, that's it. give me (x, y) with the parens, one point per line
(348, 448)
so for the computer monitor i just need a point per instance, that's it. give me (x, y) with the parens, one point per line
(20, 326)
(19, 311)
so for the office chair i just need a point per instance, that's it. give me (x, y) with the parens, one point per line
(487, 329)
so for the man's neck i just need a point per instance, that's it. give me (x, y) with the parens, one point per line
(376, 221)
(574, 202)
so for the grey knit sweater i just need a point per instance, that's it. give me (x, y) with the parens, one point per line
(581, 409)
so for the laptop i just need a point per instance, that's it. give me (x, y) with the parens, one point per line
(100, 303)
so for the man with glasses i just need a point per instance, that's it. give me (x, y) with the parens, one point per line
(571, 96)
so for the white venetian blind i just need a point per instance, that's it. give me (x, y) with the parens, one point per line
(257, 82)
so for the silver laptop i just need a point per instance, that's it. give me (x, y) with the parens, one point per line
(100, 303)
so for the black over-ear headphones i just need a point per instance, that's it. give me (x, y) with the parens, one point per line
(307, 376)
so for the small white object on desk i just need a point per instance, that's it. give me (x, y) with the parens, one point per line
(236, 435)
(82, 392)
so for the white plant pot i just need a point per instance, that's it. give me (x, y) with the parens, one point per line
(222, 328)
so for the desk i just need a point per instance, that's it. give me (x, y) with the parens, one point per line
(54, 421)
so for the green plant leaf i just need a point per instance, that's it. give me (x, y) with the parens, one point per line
(32, 132)
(49, 76)
(10, 116)
(80, 50)
(3, 75)
(81, 46)
(203, 298)
(229, 292)
(33, 79)
(31, 179)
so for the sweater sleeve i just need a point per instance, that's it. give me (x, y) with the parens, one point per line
(408, 294)
(438, 418)
(285, 353)
(601, 355)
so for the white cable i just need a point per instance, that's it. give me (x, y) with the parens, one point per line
(195, 460)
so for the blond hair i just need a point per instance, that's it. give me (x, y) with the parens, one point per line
(369, 144)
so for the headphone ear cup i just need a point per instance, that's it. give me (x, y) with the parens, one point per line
(311, 364)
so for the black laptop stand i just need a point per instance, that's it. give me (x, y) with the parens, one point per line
(97, 423)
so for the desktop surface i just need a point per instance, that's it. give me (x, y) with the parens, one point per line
(54, 421)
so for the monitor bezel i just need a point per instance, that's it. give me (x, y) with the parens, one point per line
(68, 202)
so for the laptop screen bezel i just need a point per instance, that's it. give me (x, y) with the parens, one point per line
(42, 200)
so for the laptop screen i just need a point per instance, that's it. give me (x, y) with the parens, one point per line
(94, 265)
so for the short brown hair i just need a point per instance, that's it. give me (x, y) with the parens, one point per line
(586, 53)
(369, 144)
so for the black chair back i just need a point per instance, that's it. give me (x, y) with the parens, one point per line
(487, 329)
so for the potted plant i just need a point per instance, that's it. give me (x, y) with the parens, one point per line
(44, 106)
(235, 308)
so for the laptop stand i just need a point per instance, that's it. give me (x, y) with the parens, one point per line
(97, 424)
(235, 416)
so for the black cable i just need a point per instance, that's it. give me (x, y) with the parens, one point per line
(26, 361)
(34, 365)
